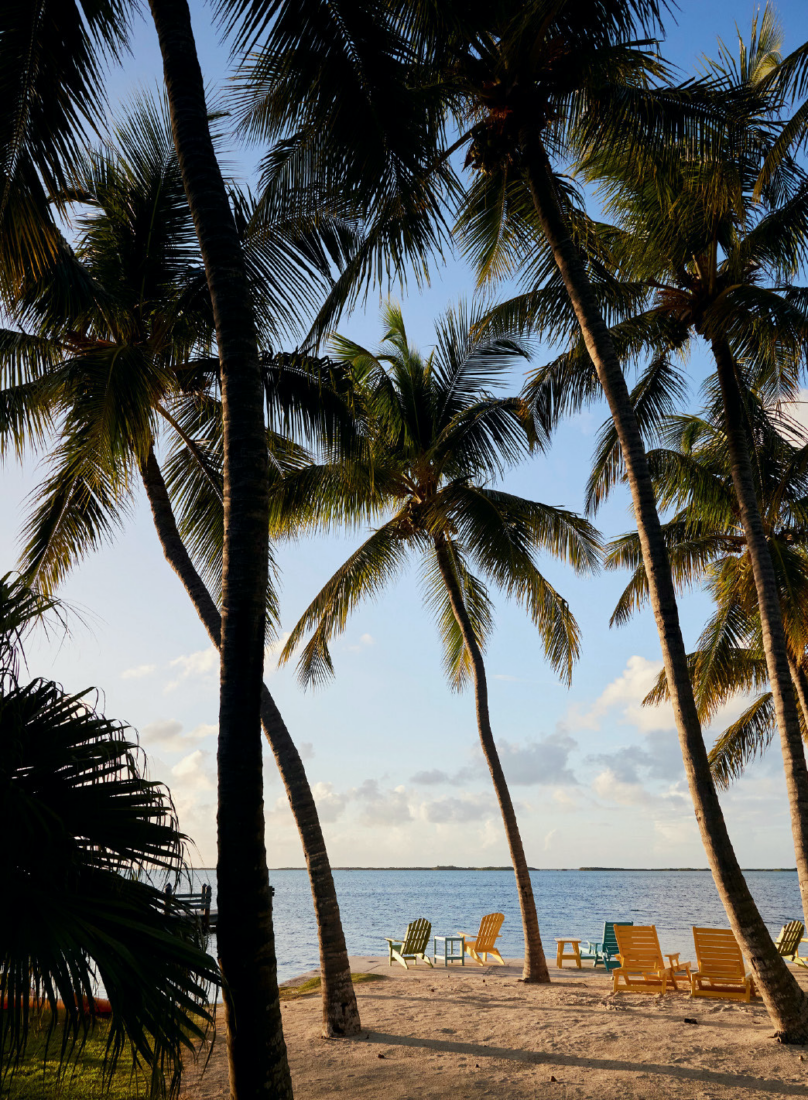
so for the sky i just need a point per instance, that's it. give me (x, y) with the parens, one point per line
(391, 752)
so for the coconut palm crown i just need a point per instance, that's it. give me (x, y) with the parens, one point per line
(437, 435)
(707, 544)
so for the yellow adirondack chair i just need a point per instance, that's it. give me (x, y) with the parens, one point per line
(642, 968)
(789, 940)
(414, 944)
(721, 973)
(482, 945)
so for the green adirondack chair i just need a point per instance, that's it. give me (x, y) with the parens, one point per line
(605, 950)
(414, 944)
(788, 942)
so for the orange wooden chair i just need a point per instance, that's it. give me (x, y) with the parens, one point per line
(482, 945)
(721, 972)
(642, 968)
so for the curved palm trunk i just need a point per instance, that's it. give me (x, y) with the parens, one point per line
(800, 687)
(340, 1011)
(786, 1003)
(535, 965)
(256, 1049)
(771, 619)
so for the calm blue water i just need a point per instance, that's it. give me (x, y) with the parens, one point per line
(375, 904)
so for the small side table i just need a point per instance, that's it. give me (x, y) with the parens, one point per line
(450, 945)
(561, 955)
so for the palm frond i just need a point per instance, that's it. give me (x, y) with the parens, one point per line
(741, 742)
(457, 665)
(366, 572)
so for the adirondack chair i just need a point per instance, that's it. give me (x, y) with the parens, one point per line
(605, 950)
(642, 969)
(414, 944)
(482, 945)
(788, 942)
(721, 973)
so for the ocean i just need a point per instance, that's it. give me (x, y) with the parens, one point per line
(375, 904)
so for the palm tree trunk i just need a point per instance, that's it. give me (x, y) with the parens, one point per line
(255, 1045)
(774, 638)
(535, 964)
(340, 1011)
(786, 1003)
(798, 679)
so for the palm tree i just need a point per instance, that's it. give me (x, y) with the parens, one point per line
(127, 349)
(436, 435)
(44, 134)
(87, 824)
(706, 541)
(717, 266)
(537, 81)
(256, 1049)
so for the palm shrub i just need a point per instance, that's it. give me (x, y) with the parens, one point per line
(86, 833)
(436, 435)
(115, 362)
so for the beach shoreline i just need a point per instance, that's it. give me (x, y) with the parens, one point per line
(470, 1031)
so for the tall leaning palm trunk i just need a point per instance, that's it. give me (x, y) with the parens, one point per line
(257, 1058)
(340, 1011)
(786, 1004)
(535, 964)
(771, 619)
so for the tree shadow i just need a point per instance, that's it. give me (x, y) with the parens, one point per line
(531, 1057)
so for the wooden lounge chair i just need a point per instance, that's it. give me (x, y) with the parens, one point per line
(605, 950)
(482, 945)
(789, 940)
(414, 944)
(642, 968)
(721, 973)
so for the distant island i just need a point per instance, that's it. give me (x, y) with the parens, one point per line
(452, 867)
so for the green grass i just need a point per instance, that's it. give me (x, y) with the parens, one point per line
(312, 985)
(82, 1079)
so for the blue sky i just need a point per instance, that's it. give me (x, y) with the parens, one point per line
(391, 751)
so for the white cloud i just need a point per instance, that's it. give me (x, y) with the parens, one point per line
(390, 807)
(194, 771)
(626, 694)
(608, 785)
(538, 762)
(274, 648)
(203, 664)
(138, 672)
(206, 729)
(164, 733)
(468, 807)
(306, 750)
(548, 840)
(678, 834)
(565, 800)
(330, 804)
(435, 777)
(365, 640)
(168, 734)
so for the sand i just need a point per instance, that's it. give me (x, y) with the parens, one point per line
(478, 1032)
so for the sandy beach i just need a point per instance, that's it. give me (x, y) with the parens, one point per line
(478, 1032)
